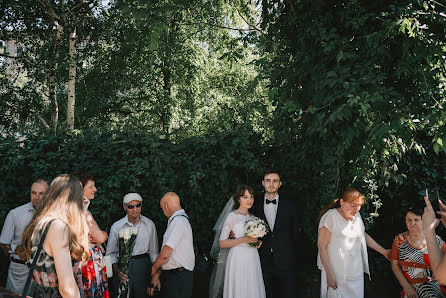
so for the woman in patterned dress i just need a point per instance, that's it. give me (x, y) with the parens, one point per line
(410, 260)
(94, 277)
(66, 242)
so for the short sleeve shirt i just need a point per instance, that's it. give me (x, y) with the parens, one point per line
(179, 237)
(346, 251)
(15, 224)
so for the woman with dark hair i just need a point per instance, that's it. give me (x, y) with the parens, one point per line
(94, 277)
(410, 260)
(342, 244)
(61, 217)
(242, 274)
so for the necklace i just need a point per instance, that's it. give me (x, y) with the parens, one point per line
(419, 243)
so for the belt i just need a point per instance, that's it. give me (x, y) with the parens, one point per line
(146, 255)
(19, 261)
(180, 269)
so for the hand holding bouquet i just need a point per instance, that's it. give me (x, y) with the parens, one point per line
(256, 228)
(126, 239)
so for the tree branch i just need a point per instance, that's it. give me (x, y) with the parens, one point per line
(81, 4)
(249, 24)
(215, 25)
(50, 11)
(45, 124)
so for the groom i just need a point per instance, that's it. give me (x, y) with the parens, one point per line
(278, 253)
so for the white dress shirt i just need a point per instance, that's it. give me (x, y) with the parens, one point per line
(14, 226)
(146, 240)
(271, 210)
(178, 236)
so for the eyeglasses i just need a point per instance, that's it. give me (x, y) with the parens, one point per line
(136, 205)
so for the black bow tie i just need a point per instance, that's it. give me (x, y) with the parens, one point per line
(271, 201)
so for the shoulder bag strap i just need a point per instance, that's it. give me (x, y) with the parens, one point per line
(33, 265)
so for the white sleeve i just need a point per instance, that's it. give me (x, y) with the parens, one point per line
(153, 243)
(8, 229)
(227, 226)
(327, 220)
(113, 245)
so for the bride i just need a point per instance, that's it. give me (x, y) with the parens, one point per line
(238, 263)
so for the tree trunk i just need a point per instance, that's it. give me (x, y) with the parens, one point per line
(71, 79)
(52, 79)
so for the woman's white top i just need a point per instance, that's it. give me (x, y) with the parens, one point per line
(347, 249)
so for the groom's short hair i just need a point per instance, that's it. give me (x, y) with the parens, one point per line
(272, 171)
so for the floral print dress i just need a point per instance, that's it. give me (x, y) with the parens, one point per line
(94, 277)
(44, 274)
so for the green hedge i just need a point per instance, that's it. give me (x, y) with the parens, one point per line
(204, 172)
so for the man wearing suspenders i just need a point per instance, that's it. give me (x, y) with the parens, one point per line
(176, 260)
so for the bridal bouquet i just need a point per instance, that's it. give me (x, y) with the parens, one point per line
(256, 228)
(126, 238)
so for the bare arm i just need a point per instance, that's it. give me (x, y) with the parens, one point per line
(228, 243)
(95, 233)
(162, 259)
(322, 243)
(5, 248)
(430, 223)
(155, 281)
(375, 246)
(56, 244)
(408, 289)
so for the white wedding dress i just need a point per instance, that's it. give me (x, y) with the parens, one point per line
(243, 275)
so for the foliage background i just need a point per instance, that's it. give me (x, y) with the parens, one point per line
(197, 96)
(204, 171)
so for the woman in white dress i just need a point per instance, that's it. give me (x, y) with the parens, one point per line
(243, 273)
(342, 245)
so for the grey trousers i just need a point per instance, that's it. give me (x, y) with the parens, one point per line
(177, 284)
(17, 275)
(139, 277)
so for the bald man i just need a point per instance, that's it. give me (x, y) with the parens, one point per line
(12, 232)
(176, 261)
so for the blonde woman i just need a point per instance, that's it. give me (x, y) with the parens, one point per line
(61, 214)
(342, 244)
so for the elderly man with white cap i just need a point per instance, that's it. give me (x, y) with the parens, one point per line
(145, 249)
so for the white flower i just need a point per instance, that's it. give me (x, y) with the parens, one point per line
(121, 234)
(256, 228)
(377, 203)
(126, 234)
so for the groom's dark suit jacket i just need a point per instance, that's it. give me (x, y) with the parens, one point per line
(283, 241)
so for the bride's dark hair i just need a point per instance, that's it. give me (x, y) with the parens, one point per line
(240, 192)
